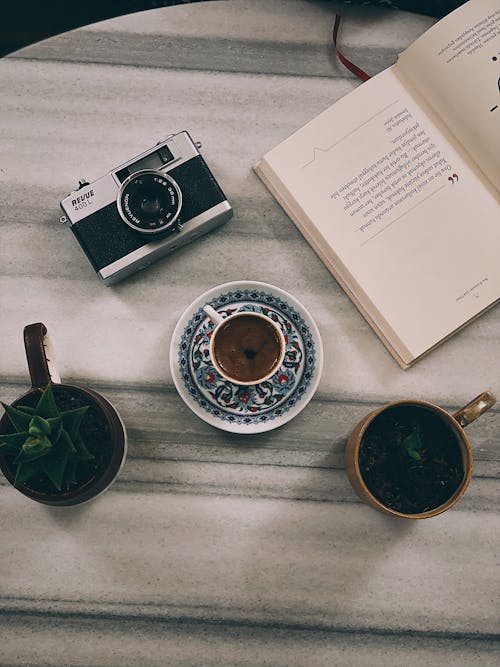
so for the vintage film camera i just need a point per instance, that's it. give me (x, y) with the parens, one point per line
(146, 208)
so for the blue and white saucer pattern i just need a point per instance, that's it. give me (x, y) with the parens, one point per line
(255, 408)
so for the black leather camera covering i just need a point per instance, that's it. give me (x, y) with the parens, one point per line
(104, 236)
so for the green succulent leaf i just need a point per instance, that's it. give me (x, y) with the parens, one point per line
(35, 442)
(70, 472)
(54, 465)
(26, 471)
(12, 442)
(46, 406)
(72, 420)
(27, 409)
(56, 424)
(33, 448)
(82, 451)
(39, 426)
(414, 454)
(19, 419)
(47, 442)
(65, 443)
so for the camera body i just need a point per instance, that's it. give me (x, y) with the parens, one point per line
(146, 208)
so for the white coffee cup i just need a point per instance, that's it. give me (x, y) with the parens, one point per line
(245, 355)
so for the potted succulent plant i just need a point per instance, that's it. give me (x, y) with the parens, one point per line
(411, 458)
(60, 444)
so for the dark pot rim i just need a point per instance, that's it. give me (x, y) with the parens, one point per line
(100, 482)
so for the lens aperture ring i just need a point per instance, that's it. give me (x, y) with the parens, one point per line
(150, 202)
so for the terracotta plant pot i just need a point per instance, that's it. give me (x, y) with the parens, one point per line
(451, 425)
(110, 441)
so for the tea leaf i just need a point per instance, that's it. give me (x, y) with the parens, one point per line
(412, 443)
(414, 454)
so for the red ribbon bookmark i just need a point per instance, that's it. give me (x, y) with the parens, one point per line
(350, 66)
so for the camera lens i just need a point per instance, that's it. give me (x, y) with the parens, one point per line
(150, 202)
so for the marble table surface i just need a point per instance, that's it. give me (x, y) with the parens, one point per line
(213, 548)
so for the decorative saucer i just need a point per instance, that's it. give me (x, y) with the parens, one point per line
(259, 407)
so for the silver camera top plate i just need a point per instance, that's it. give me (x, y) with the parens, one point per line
(93, 196)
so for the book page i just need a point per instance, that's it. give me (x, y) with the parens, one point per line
(455, 65)
(404, 217)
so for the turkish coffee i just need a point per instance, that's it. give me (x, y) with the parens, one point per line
(247, 348)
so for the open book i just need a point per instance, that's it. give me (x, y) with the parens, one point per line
(397, 185)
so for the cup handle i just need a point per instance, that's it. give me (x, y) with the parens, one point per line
(40, 356)
(213, 314)
(475, 408)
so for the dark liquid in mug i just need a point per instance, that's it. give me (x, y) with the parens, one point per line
(406, 483)
(247, 348)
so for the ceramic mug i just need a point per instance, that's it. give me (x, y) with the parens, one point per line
(222, 322)
(43, 371)
(454, 423)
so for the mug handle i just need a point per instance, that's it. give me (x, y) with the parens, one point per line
(475, 408)
(213, 314)
(40, 356)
